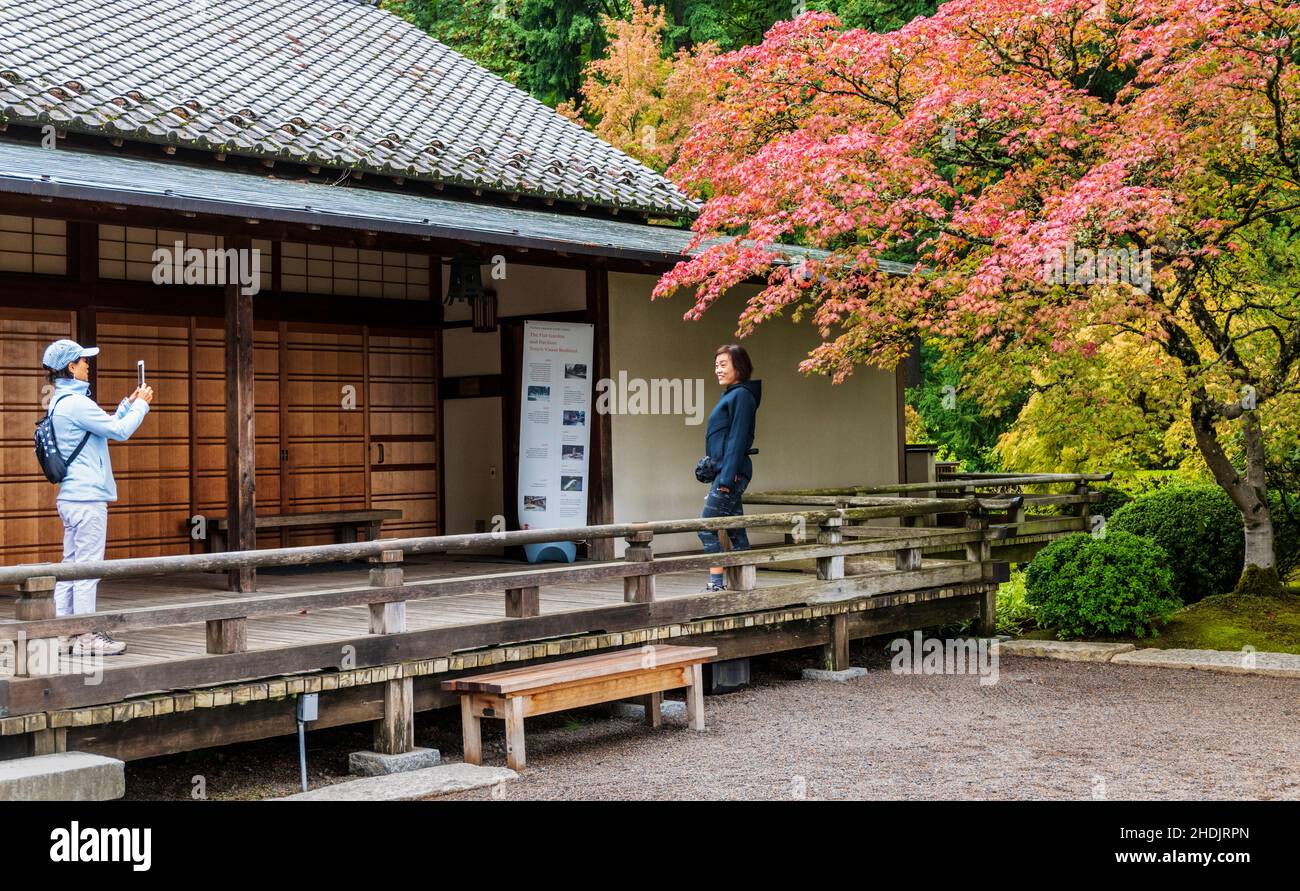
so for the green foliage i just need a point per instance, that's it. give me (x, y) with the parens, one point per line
(1084, 585)
(1112, 499)
(1198, 527)
(965, 430)
(1013, 613)
(1284, 508)
(542, 46)
(876, 15)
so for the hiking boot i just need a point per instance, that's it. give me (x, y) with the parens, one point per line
(97, 643)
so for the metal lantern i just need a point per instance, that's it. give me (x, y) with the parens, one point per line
(466, 279)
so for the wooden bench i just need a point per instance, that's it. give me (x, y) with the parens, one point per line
(557, 686)
(346, 521)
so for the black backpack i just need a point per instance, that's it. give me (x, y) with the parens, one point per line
(48, 456)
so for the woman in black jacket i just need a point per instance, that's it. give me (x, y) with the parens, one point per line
(728, 439)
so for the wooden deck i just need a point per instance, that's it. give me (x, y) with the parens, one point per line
(266, 633)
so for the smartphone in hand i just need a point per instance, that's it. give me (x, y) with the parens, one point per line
(140, 368)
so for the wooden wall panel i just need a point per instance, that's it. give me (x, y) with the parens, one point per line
(30, 529)
(152, 467)
(403, 382)
(325, 404)
(210, 421)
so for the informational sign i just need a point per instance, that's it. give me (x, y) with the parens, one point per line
(555, 424)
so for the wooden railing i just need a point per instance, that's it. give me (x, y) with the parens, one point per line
(832, 530)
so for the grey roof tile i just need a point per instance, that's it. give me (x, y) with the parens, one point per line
(329, 82)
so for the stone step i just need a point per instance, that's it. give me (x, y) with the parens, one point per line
(65, 776)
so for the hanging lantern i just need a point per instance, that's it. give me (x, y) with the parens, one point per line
(466, 279)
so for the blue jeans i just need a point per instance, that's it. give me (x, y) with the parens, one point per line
(724, 504)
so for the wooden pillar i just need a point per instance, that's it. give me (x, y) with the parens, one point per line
(830, 532)
(600, 478)
(50, 741)
(639, 588)
(835, 655)
(395, 731)
(981, 551)
(241, 509)
(36, 602)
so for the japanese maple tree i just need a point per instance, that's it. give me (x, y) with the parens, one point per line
(998, 144)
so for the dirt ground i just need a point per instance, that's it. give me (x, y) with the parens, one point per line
(1045, 730)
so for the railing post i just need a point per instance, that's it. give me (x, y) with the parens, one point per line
(521, 603)
(227, 636)
(395, 731)
(907, 558)
(1084, 509)
(640, 549)
(830, 532)
(738, 578)
(36, 602)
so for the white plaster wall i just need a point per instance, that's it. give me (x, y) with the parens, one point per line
(810, 432)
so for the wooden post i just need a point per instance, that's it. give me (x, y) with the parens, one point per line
(653, 704)
(516, 755)
(48, 742)
(471, 731)
(241, 509)
(521, 603)
(830, 532)
(741, 578)
(907, 558)
(982, 552)
(600, 508)
(395, 731)
(640, 549)
(227, 636)
(695, 697)
(36, 602)
(1084, 509)
(835, 655)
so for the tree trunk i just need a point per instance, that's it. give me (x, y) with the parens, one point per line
(1250, 494)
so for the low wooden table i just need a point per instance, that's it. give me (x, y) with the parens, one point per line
(347, 522)
(557, 686)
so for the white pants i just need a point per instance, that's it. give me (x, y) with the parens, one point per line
(85, 528)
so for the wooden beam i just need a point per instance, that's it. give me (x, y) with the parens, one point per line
(241, 507)
(600, 468)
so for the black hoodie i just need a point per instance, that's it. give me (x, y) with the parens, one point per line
(730, 431)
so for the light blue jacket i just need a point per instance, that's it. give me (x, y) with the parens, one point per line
(90, 477)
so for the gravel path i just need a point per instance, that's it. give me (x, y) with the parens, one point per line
(1047, 729)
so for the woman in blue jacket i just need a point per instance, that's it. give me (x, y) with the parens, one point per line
(86, 490)
(728, 439)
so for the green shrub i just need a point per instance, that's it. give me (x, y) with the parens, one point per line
(1013, 613)
(1112, 499)
(1084, 585)
(1200, 530)
(1286, 533)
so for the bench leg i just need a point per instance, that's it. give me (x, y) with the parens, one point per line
(472, 732)
(347, 534)
(516, 759)
(695, 697)
(653, 709)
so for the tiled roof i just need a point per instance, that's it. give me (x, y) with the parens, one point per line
(334, 83)
(75, 175)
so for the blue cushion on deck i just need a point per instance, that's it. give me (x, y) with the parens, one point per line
(551, 551)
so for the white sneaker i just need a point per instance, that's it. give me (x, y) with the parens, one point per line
(97, 643)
